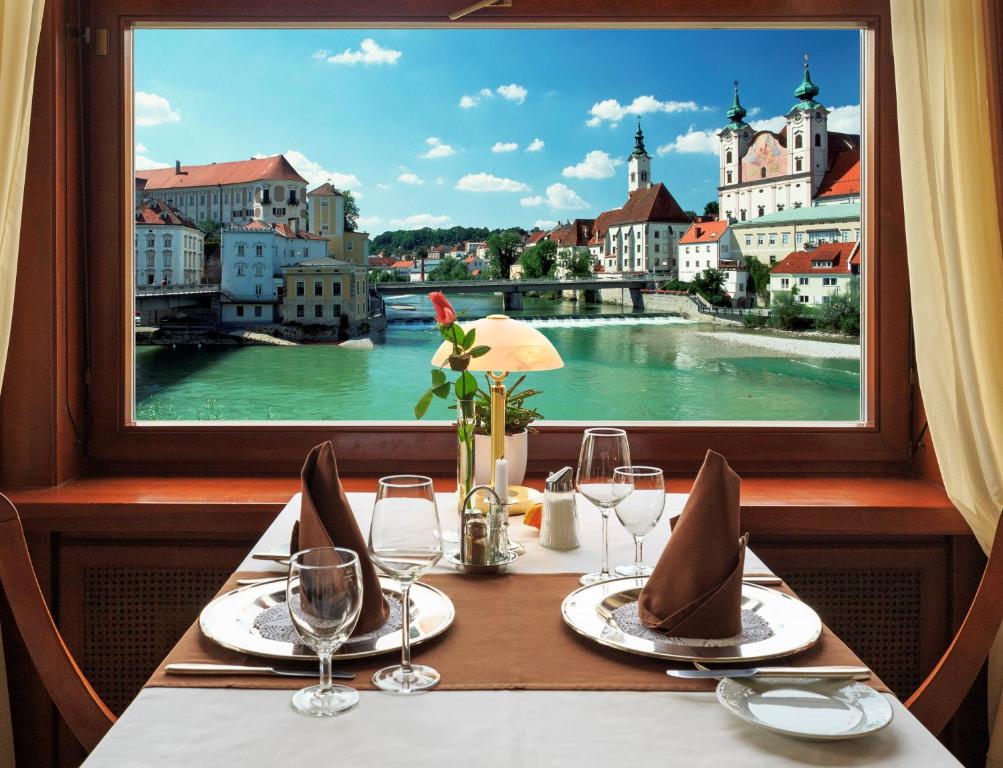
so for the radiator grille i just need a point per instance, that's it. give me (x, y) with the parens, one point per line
(133, 617)
(876, 613)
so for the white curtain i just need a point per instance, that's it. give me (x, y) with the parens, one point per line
(20, 25)
(946, 133)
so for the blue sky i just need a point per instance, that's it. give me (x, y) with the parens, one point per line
(476, 127)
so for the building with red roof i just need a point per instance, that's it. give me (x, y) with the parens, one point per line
(765, 172)
(711, 245)
(815, 274)
(265, 188)
(169, 247)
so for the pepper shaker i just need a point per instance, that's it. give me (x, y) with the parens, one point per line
(559, 526)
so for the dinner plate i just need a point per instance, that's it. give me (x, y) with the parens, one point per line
(230, 621)
(807, 708)
(792, 626)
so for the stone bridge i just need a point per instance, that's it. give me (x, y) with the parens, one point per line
(513, 290)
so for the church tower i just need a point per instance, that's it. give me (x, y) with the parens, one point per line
(639, 164)
(808, 134)
(734, 141)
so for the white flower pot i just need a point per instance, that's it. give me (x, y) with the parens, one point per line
(516, 450)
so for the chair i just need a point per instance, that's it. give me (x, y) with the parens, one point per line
(939, 696)
(78, 703)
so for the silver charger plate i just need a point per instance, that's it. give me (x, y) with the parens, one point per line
(795, 626)
(807, 708)
(229, 621)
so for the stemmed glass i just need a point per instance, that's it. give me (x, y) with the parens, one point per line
(405, 541)
(324, 596)
(640, 512)
(603, 450)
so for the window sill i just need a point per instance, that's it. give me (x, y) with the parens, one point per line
(819, 505)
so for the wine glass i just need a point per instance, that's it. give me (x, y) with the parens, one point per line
(603, 450)
(640, 512)
(405, 541)
(324, 597)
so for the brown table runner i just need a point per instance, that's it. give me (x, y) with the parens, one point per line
(508, 635)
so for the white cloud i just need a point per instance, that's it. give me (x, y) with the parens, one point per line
(485, 182)
(383, 186)
(315, 173)
(410, 178)
(508, 146)
(419, 220)
(320, 55)
(440, 180)
(143, 162)
(151, 109)
(533, 200)
(769, 123)
(535, 145)
(612, 111)
(544, 224)
(468, 102)
(562, 197)
(437, 149)
(754, 111)
(596, 165)
(486, 93)
(845, 119)
(692, 142)
(369, 52)
(368, 221)
(513, 92)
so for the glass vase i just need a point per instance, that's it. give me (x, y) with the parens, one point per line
(464, 449)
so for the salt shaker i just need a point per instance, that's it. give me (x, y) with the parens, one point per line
(559, 526)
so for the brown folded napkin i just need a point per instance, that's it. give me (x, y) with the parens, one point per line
(327, 520)
(696, 587)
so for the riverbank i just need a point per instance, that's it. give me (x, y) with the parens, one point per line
(797, 346)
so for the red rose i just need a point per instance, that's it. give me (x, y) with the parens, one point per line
(444, 312)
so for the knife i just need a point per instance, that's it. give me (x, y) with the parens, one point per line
(240, 669)
(827, 673)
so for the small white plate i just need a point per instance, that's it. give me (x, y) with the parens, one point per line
(807, 708)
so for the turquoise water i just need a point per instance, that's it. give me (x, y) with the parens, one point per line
(617, 367)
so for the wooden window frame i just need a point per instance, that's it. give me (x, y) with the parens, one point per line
(115, 445)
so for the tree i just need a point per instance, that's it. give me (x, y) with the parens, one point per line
(575, 263)
(351, 211)
(690, 214)
(787, 313)
(211, 228)
(502, 253)
(710, 282)
(539, 260)
(449, 270)
(711, 209)
(760, 276)
(842, 311)
(386, 276)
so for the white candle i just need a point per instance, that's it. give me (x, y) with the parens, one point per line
(501, 480)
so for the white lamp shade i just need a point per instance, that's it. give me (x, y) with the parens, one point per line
(515, 346)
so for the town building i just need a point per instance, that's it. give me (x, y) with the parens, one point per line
(710, 245)
(252, 257)
(475, 264)
(814, 274)
(325, 291)
(640, 236)
(762, 172)
(771, 237)
(326, 206)
(169, 247)
(266, 189)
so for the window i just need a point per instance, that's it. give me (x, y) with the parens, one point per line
(300, 288)
(797, 164)
(802, 281)
(257, 289)
(759, 239)
(259, 270)
(728, 176)
(798, 141)
(829, 282)
(241, 268)
(257, 310)
(802, 298)
(240, 310)
(336, 288)
(742, 214)
(318, 287)
(151, 241)
(318, 310)
(259, 249)
(350, 245)
(168, 239)
(799, 238)
(728, 157)
(748, 239)
(300, 310)
(240, 249)
(785, 282)
(785, 238)
(818, 139)
(762, 209)
(762, 174)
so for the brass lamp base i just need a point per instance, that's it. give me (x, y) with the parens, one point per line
(497, 419)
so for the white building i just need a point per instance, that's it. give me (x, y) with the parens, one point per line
(817, 273)
(169, 247)
(640, 236)
(710, 245)
(252, 257)
(266, 189)
(762, 172)
(475, 264)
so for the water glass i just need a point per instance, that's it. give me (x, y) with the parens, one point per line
(640, 512)
(324, 597)
(405, 541)
(603, 451)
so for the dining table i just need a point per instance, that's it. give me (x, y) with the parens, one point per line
(205, 725)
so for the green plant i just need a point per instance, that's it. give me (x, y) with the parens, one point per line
(517, 416)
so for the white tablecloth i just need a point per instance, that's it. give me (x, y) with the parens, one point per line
(196, 727)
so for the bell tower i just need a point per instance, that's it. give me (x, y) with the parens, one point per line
(639, 164)
(734, 141)
(808, 134)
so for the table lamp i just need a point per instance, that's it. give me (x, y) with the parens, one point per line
(516, 347)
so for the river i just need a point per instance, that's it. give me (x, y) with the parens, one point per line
(618, 366)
